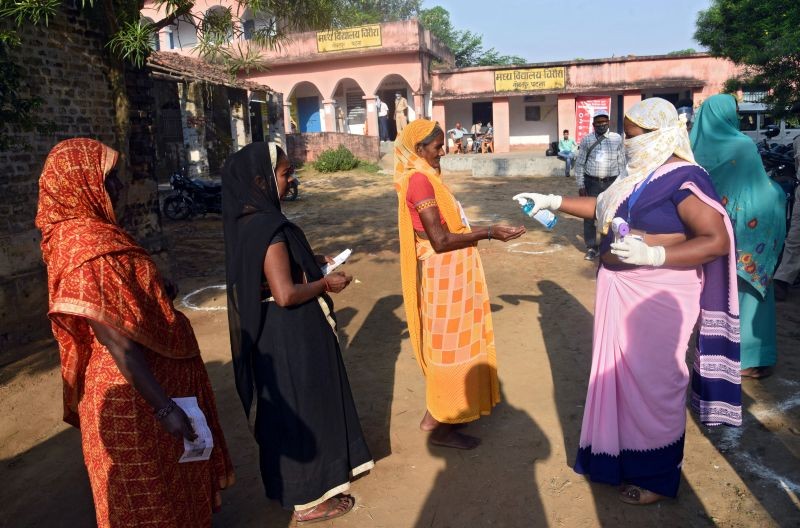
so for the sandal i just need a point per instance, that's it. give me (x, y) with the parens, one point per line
(631, 494)
(332, 510)
(757, 372)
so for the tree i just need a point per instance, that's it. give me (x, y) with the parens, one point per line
(465, 45)
(359, 12)
(764, 37)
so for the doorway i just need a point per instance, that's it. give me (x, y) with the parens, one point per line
(308, 114)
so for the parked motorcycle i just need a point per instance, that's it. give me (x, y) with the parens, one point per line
(778, 161)
(294, 190)
(191, 197)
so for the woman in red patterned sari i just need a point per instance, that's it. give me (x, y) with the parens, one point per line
(125, 352)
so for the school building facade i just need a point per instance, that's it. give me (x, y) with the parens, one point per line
(329, 81)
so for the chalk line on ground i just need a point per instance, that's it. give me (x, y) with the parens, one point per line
(187, 303)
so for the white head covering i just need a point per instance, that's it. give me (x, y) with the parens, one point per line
(647, 152)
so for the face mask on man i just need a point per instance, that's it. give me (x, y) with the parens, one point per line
(601, 129)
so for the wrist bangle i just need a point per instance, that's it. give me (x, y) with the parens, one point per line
(164, 411)
(327, 286)
(489, 233)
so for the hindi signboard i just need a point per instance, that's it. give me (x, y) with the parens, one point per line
(530, 79)
(349, 38)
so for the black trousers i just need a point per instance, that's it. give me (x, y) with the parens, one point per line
(594, 186)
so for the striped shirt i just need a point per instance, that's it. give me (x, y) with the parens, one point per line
(605, 161)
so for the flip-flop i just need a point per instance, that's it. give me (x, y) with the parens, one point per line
(330, 510)
(757, 372)
(635, 495)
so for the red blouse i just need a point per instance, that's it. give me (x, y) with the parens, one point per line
(420, 191)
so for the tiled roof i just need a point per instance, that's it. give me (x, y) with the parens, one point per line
(183, 67)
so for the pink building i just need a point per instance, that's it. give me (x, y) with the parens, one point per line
(330, 80)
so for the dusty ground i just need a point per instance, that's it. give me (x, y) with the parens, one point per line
(542, 297)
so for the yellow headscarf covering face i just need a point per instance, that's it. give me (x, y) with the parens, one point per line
(407, 163)
(646, 153)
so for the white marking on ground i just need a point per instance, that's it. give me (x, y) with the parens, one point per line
(187, 303)
(547, 248)
(730, 443)
(780, 408)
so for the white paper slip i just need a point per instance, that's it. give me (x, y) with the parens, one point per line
(201, 448)
(338, 260)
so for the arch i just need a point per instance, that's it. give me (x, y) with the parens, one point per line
(257, 21)
(306, 111)
(389, 86)
(215, 19)
(350, 108)
(182, 33)
(155, 43)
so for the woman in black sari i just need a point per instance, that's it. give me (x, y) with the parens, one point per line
(284, 344)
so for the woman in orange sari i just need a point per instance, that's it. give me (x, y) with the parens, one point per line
(125, 352)
(444, 290)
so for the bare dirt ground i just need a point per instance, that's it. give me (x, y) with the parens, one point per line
(542, 298)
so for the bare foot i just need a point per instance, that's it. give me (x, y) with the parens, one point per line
(428, 423)
(446, 435)
(330, 509)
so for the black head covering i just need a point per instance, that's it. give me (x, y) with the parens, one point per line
(251, 215)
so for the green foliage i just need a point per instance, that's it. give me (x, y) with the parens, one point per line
(687, 51)
(36, 11)
(764, 37)
(133, 42)
(465, 45)
(359, 12)
(335, 160)
(368, 166)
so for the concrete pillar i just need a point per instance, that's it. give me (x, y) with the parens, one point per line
(287, 117)
(329, 115)
(193, 120)
(238, 130)
(419, 106)
(372, 116)
(566, 114)
(630, 98)
(502, 124)
(439, 114)
(163, 39)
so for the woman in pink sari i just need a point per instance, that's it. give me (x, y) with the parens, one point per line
(672, 273)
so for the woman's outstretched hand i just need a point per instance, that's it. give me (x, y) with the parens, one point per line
(337, 281)
(505, 233)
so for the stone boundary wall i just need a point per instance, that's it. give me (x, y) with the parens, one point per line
(65, 64)
(305, 148)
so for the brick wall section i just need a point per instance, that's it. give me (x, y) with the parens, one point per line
(64, 64)
(304, 148)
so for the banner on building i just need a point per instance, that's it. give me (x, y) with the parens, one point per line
(585, 107)
(349, 38)
(530, 79)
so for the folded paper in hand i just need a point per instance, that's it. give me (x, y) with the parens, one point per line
(338, 260)
(200, 448)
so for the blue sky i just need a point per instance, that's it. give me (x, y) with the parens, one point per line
(555, 30)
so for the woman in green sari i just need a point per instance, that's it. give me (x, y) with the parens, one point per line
(756, 206)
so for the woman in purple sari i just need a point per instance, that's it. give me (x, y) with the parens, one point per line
(670, 274)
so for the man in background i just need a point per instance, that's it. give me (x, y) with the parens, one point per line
(383, 118)
(566, 151)
(601, 160)
(400, 107)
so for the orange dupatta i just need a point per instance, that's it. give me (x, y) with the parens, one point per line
(407, 163)
(96, 270)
